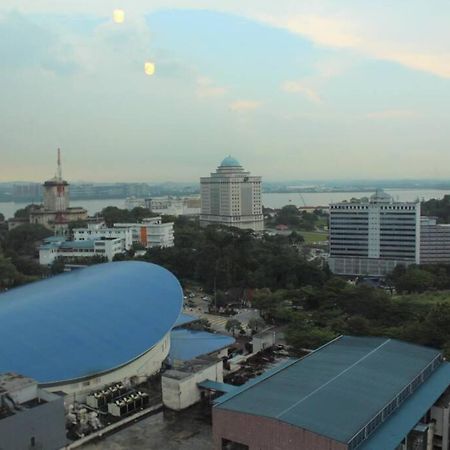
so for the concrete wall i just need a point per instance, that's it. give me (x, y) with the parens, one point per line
(263, 340)
(260, 433)
(179, 394)
(45, 423)
(146, 365)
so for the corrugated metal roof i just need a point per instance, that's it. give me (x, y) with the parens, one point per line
(392, 432)
(87, 321)
(189, 344)
(338, 389)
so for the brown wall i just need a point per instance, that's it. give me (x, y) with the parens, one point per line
(261, 433)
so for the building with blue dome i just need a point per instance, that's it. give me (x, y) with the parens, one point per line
(231, 196)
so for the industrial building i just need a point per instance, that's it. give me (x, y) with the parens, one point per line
(30, 417)
(372, 236)
(80, 331)
(362, 393)
(232, 197)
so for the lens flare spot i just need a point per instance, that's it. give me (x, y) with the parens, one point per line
(118, 15)
(149, 68)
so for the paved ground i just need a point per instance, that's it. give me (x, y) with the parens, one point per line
(188, 430)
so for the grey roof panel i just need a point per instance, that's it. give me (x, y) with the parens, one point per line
(338, 389)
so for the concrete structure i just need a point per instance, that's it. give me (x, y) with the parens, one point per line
(371, 237)
(105, 247)
(180, 386)
(353, 393)
(169, 206)
(264, 339)
(96, 326)
(30, 417)
(231, 197)
(152, 232)
(434, 242)
(55, 213)
(96, 231)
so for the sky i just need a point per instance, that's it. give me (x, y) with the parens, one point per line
(293, 89)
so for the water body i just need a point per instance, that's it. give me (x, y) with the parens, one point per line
(270, 200)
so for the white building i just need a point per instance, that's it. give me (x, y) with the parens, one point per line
(100, 231)
(231, 197)
(107, 247)
(371, 237)
(168, 206)
(150, 233)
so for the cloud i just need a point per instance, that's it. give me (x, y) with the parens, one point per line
(393, 114)
(245, 105)
(206, 88)
(298, 87)
(339, 32)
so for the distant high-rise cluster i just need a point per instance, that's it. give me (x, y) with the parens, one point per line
(232, 197)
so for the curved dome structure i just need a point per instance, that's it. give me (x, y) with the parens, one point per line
(87, 322)
(229, 161)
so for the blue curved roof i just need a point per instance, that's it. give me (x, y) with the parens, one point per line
(88, 321)
(229, 161)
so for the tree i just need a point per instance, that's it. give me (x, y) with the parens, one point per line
(233, 325)
(256, 324)
(24, 238)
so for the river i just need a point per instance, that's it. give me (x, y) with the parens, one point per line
(270, 200)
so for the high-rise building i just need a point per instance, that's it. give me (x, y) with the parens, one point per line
(232, 197)
(372, 236)
(434, 241)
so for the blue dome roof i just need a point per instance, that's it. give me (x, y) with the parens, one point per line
(88, 321)
(229, 161)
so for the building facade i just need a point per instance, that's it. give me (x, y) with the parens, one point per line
(372, 236)
(434, 242)
(105, 247)
(30, 417)
(232, 197)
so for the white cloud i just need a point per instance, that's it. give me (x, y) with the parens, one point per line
(298, 87)
(245, 105)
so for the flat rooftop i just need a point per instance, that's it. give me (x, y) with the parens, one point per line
(341, 387)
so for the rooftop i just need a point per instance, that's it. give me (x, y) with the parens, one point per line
(189, 344)
(229, 161)
(88, 321)
(331, 391)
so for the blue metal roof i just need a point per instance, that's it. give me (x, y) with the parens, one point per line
(392, 432)
(229, 161)
(338, 389)
(88, 321)
(217, 386)
(184, 319)
(87, 244)
(189, 344)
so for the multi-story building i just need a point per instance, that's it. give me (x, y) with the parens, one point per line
(434, 242)
(106, 247)
(96, 231)
(372, 236)
(231, 197)
(152, 232)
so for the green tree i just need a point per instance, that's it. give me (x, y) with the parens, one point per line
(233, 325)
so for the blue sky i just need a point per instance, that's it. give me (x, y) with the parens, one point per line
(293, 89)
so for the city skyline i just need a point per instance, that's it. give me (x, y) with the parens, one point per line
(294, 92)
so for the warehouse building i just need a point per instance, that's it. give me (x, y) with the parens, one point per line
(86, 329)
(353, 393)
